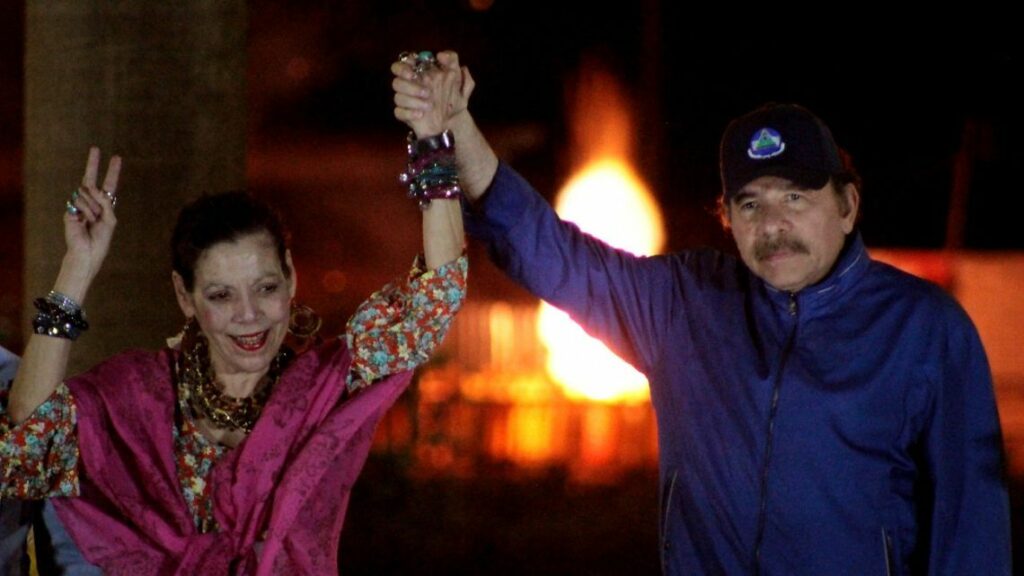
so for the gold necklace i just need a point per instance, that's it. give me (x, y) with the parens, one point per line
(198, 386)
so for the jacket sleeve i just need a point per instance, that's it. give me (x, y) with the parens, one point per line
(969, 531)
(8, 366)
(613, 294)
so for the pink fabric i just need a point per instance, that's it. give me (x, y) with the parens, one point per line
(279, 497)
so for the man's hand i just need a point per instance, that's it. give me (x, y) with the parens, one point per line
(429, 101)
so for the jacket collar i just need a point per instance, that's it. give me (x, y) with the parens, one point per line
(852, 263)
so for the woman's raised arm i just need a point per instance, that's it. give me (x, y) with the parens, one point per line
(89, 223)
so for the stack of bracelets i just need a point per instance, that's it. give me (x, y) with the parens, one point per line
(431, 173)
(59, 316)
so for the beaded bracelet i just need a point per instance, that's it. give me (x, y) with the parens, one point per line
(59, 316)
(431, 172)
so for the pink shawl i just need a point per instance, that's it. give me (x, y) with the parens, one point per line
(279, 497)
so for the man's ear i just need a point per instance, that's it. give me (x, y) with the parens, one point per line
(724, 213)
(851, 207)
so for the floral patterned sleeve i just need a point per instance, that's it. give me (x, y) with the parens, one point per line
(39, 456)
(400, 325)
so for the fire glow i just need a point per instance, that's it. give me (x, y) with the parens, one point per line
(607, 200)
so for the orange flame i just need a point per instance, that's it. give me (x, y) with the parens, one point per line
(609, 201)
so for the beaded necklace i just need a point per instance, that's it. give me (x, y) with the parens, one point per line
(197, 385)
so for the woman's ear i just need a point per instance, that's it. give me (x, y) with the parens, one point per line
(185, 302)
(293, 278)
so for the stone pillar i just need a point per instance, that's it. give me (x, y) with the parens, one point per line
(163, 85)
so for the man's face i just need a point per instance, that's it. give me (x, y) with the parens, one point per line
(787, 236)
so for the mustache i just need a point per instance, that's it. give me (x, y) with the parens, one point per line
(767, 247)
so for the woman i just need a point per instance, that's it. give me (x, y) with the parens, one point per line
(223, 453)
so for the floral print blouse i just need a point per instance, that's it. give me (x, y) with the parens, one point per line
(394, 330)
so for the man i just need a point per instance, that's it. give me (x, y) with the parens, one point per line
(818, 412)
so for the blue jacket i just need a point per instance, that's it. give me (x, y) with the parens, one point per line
(849, 428)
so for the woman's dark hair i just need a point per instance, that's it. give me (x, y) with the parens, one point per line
(225, 217)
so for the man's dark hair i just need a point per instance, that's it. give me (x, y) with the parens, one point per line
(224, 217)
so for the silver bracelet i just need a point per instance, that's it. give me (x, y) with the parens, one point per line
(64, 302)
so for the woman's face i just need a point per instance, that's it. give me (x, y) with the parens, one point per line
(241, 298)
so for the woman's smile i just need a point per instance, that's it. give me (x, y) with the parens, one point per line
(251, 342)
(241, 299)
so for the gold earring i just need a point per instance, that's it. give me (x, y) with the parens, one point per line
(304, 322)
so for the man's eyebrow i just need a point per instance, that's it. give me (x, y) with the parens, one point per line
(742, 196)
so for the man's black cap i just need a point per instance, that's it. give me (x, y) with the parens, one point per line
(783, 140)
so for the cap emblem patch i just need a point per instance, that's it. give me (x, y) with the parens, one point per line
(766, 143)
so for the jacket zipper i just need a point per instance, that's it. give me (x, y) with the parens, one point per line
(887, 550)
(776, 385)
(666, 509)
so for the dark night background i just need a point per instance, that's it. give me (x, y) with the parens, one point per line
(899, 94)
(898, 99)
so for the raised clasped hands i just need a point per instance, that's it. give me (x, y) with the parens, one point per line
(428, 101)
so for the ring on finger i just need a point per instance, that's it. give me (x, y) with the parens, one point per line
(420, 61)
(70, 207)
(112, 197)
